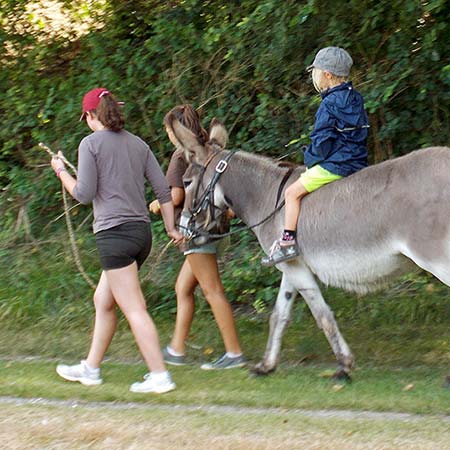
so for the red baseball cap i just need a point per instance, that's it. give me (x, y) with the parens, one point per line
(92, 99)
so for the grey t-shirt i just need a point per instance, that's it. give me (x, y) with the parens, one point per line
(112, 168)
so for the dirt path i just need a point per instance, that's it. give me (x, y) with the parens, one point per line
(219, 409)
(44, 424)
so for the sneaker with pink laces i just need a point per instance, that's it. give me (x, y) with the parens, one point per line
(281, 251)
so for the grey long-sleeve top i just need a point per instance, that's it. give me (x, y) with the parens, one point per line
(112, 168)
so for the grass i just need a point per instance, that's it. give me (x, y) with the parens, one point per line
(413, 390)
(403, 390)
(380, 346)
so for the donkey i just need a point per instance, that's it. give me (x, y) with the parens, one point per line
(355, 233)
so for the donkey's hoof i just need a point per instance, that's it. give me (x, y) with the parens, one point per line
(342, 376)
(260, 369)
(447, 382)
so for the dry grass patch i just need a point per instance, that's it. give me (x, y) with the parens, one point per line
(83, 427)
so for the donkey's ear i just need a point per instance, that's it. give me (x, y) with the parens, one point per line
(217, 133)
(194, 151)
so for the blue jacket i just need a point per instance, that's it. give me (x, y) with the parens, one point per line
(340, 132)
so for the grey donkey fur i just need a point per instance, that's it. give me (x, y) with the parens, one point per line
(355, 233)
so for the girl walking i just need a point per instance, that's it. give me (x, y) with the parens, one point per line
(113, 165)
(200, 266)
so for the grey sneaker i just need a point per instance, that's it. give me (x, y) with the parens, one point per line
(280, 251)
(80, 372)
(225, 362)
(173, 360)
(151, 385)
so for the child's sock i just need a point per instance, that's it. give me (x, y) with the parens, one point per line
(289, 235)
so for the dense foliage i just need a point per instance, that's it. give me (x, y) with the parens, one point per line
(240, 60)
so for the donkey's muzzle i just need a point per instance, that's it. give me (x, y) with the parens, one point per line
(184, 226)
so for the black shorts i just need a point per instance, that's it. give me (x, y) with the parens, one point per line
(124, 244)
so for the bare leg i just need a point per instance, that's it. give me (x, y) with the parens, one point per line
(205, 269)
(286, 248)
(185, 288)
(105, 322)
(293, 195)
(124, 284)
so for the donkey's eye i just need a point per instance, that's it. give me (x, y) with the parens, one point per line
(186, 183)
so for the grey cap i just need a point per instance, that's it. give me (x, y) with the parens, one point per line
(333, 59)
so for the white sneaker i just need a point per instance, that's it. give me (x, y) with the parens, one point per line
(151, 385)
(80, 372)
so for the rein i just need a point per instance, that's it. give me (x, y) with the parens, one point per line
(199, 206)
(282, 184)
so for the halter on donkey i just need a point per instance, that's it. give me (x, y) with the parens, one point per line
(355, 233)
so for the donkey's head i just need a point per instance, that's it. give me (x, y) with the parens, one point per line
(204, 208)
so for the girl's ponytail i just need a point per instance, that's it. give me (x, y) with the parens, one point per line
(109, 113)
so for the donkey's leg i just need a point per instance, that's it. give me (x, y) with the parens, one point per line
(278, 322)
(434, 257)
(307, 286)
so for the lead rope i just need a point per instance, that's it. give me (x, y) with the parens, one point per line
(70, 231)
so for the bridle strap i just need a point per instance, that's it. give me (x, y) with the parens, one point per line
(208, 193)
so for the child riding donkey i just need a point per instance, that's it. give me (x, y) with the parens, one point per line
(338, 146)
